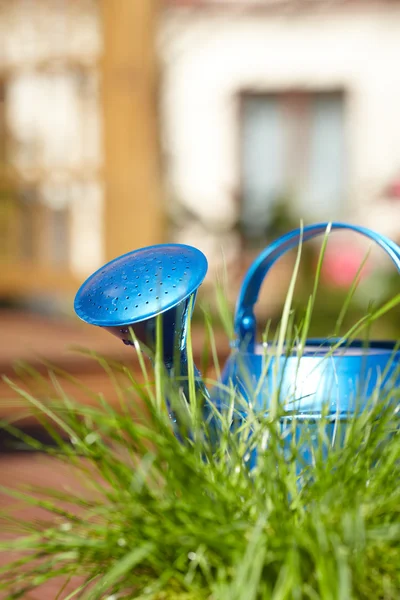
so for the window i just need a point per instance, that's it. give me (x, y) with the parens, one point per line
(292, 150)
(50, 133)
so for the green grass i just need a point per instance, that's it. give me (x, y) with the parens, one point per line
(163, 519)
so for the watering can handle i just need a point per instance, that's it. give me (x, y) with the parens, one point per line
(245, 322)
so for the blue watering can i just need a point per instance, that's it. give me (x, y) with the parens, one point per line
(326, 376)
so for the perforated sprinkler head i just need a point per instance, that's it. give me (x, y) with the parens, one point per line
(133, 290)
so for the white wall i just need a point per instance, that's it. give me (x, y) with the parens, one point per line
(208, 56)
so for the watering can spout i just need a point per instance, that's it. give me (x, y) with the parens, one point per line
(147, 294)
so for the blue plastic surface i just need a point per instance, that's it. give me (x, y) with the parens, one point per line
(141, 284)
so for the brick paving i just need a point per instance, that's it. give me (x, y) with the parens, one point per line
(34, 469)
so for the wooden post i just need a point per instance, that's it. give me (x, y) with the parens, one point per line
(133, 210)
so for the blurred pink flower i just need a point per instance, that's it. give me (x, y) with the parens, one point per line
(393, 190)
(341, 263)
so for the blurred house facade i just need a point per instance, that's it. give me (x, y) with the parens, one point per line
(78, 141)
(271, 100)
(254, 105)
(51, 151)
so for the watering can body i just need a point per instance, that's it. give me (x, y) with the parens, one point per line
(333, 377)
(327, 376)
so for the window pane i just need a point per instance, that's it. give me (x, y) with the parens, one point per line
(59, 236)
(324, 189)
(263, 162)
(56, 197)
(29, 213)
(54, 119)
